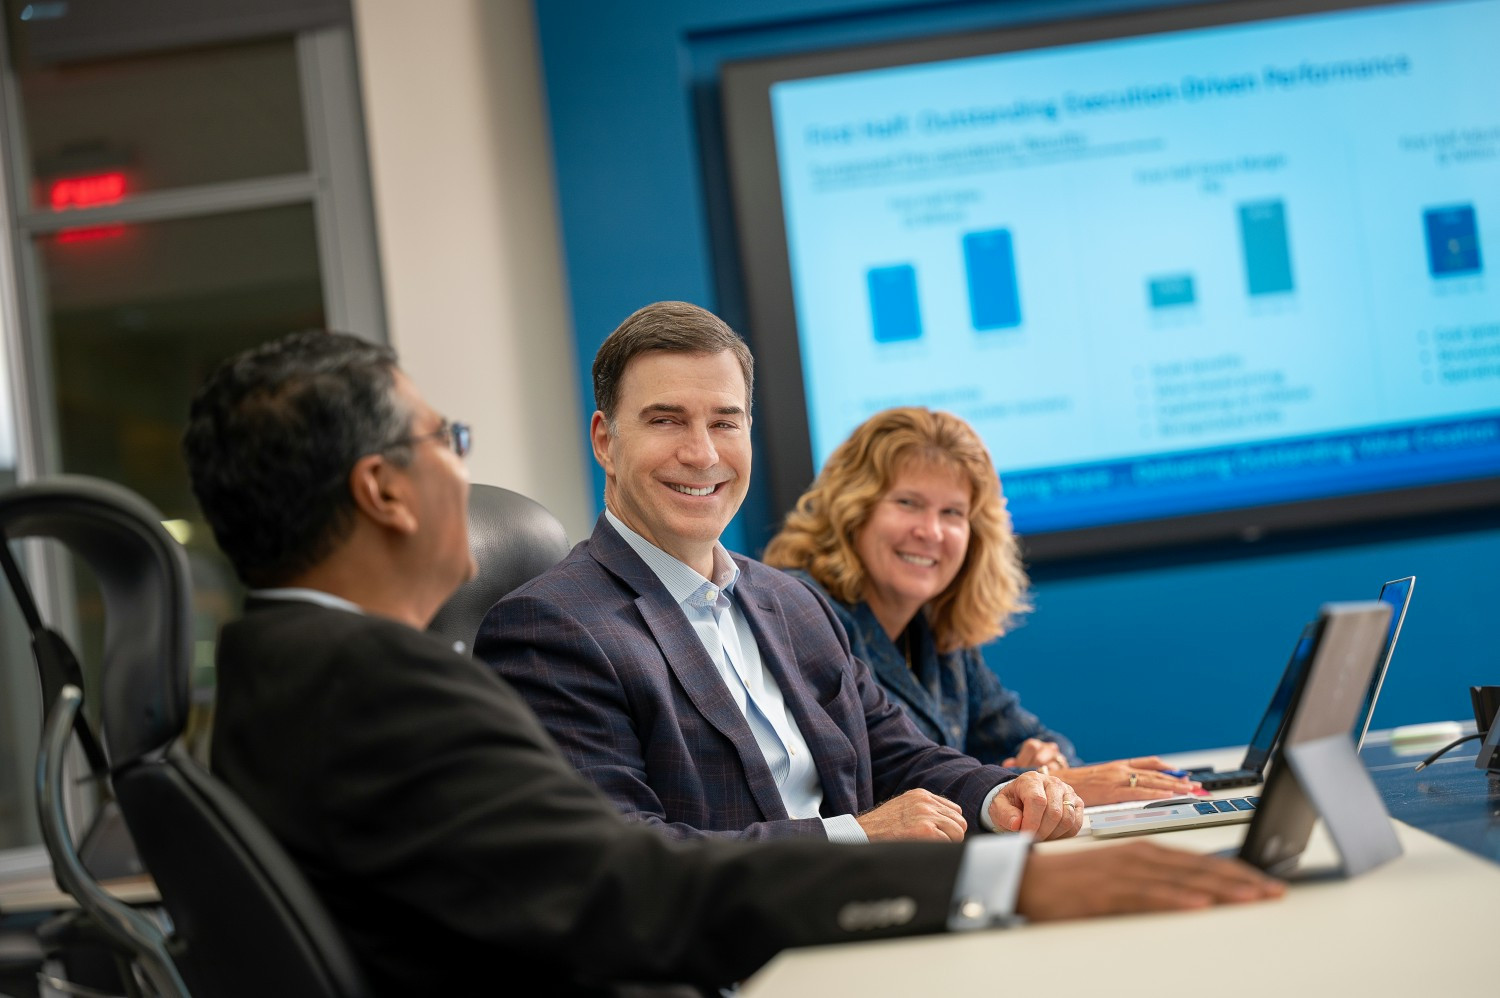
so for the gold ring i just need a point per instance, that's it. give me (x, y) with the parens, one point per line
(1133, 779)
(1068, 803)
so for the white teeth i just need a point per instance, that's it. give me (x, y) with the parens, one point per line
(917, 560)
(706, 490)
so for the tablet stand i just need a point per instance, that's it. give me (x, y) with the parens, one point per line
(1335, 783)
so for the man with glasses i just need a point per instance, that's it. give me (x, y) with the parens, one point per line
(454, 845)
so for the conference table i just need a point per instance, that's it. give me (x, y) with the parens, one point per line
(1423, 924)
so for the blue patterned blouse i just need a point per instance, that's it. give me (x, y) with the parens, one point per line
(954, 697)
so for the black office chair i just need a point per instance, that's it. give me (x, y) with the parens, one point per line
(513, 539)
(72, 943)
(244, 921)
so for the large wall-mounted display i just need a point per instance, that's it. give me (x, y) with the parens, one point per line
(1192, 272)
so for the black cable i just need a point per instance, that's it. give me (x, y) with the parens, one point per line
(1446, 748)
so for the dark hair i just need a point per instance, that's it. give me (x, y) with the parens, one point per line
(675, 326)
(271, 439)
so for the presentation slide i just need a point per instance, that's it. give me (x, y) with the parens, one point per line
(1165, 274)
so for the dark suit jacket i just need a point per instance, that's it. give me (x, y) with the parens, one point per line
(462, 854)
(953, 697)
(616, 672)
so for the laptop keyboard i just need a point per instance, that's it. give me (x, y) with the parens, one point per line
(1232, 804)
(1233, 778)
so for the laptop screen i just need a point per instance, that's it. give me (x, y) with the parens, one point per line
(1270, 724)
(1398, 595)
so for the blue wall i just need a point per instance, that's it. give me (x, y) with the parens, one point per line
(1134, 656)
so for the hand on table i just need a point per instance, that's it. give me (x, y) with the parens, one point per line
(1136, 877)
(1127, 779)
(1042, 805)
(1035, 753)
(916, 814)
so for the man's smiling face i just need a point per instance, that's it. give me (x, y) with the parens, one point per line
(677, 459)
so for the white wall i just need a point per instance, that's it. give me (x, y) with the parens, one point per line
(471, 255)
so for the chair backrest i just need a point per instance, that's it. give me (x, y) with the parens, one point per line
(513, 539)
(245, 922)
(143, 579)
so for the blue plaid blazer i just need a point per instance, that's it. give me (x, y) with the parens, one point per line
(617, 675)
(953, 697)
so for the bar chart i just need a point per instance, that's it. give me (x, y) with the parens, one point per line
(894, 311)
(1268, 255)
(990, 266)
(1171, 291)
(1452, 241)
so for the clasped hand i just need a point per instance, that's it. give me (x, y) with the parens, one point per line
(1043, 805)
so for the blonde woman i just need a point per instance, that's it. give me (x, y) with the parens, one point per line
(905, 530)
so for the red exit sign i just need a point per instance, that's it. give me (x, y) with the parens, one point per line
(86, 192)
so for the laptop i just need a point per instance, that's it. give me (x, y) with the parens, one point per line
(1348, 640)
(1398, 594)
(1252, 770)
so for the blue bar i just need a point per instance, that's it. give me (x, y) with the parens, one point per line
(1314, 466)
(1268, 256)
(893, 303)
(1452, 241)
(990, 261)
(1177, 289)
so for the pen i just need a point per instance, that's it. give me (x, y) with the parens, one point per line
(1179, 773)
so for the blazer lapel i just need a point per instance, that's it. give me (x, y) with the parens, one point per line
(888, 664)
(687, 659)
(831, 749)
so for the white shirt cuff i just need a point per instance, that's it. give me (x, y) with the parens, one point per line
(984, 809)
(844, 828)
(988, 879)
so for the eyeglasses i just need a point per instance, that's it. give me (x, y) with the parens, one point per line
(457, 436)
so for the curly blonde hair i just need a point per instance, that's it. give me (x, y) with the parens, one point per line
(818, 535)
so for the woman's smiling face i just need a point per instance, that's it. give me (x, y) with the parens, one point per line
(915, 540)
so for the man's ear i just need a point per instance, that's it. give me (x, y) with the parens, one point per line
(599, 435)
(382, 493)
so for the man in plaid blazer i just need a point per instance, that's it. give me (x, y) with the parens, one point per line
(709, 693)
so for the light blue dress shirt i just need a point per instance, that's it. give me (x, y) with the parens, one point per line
(709, 606)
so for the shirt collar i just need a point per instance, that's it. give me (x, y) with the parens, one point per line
(681, 581)
(307, 596)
